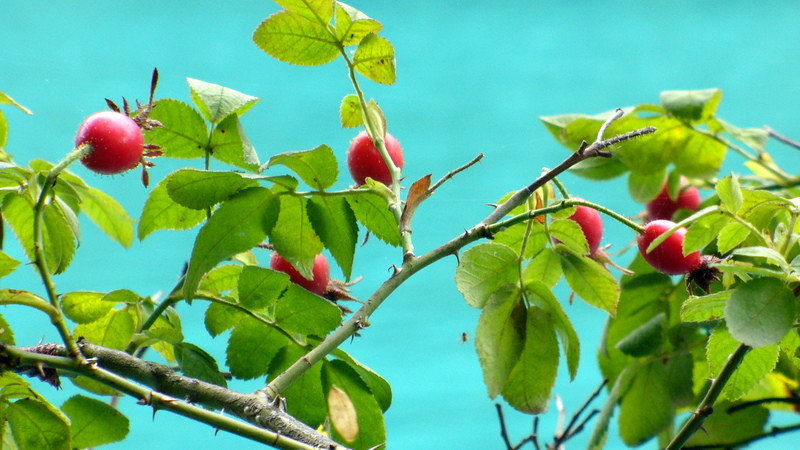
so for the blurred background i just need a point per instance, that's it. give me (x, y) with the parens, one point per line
(472, 77)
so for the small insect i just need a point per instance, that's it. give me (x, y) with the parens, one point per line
(464, 337)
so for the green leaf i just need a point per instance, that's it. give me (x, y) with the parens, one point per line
(94, 423)
(500, 337)
(543, 298)
(230, 144)
(569, 233)
(352, 25)
(756, 364)
(300, 311)
(113, 330)
(591, 281)
(731, 236)
(644, 187)
(221, 278)
(252, 347)
(7, 264)
(313, 10)
(544, 267)
(531, 380)
(646, 407)
(679, 372)
(755, 138)
(259, 288)
(730, 193)
(237, 225)
(219, 318)
(335, 224)
(703, 232)
(760, 312)
(197, 363)
(692, 106)
(107, 214)
(37, 425)
(160, 212)
(217, 102)
(85, 306)
(771, 256)
(7, 100)
(705, 308)
(317, 167)
(370, 428)
(59, 241)
(350, 112)
(294, 236)
(598, 438)
(645, 339)
(515, 235)
(373, 211)
(292, 38)
(305, 399)
(701, 156)
(379, 387)
(483, 270)
(201, 189)
(184, 134)
(6, 334)
(374, 58)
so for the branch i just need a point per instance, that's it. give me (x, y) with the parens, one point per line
(782, 138)
(115, 368)
(706, 407)
(774, 431)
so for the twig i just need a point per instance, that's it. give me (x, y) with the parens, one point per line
(569, 431)
(453, 173)
(535, 434)
(774, 431)
(761, 401)
(706, 406)
(782, 138)
(503, 431)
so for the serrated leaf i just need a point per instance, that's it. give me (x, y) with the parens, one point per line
(197, 363)
(760, 312)
(645, 339)
(771, 256)
(201, 189)
(373, 211)
(543, 298)
(252, 347)
(108, 215)
(7, 264)
(314, 10)
(730, 193)
(230, 144)
(294, 237)
(113, 330)
(371, 427)
(160, 212)
(374, 58)
(184, 134)
(500, 337)
(645, 408)
(531, 381)
(217, 102)
(379, 387)
(335, 224)
(290, 37)
(350, 112)
(36, 425)
(300, 311)
(591, 281)
(692, 106)
(94, 423)
(703, 232)
(701, 156)
(317, 167)
(756, 364)
(731, 236)
(352, 25)
(85, 306)
(221, 278)
(6, 334)
(219, 318)
(259, 288)
(705, 308)
(305, 399)
(569, 233)
(537, 238)
(236, 226)
(545, 267)
(483, 270)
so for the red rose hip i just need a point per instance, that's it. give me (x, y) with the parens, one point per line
(668, 257)
(364, 160)
(320, 271)
(664, 207)
(116, 141)
(591, 224)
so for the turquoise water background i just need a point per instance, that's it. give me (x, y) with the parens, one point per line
(472, 77)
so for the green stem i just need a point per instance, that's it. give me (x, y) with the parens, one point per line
(706, 406)
(40, 259)
(558, 206)
(779, 173)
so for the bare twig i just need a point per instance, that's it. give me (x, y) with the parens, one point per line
(782, 138)
(774, 431)
(761, 401)
(503, 431)
(454, 172)
(569, 431)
